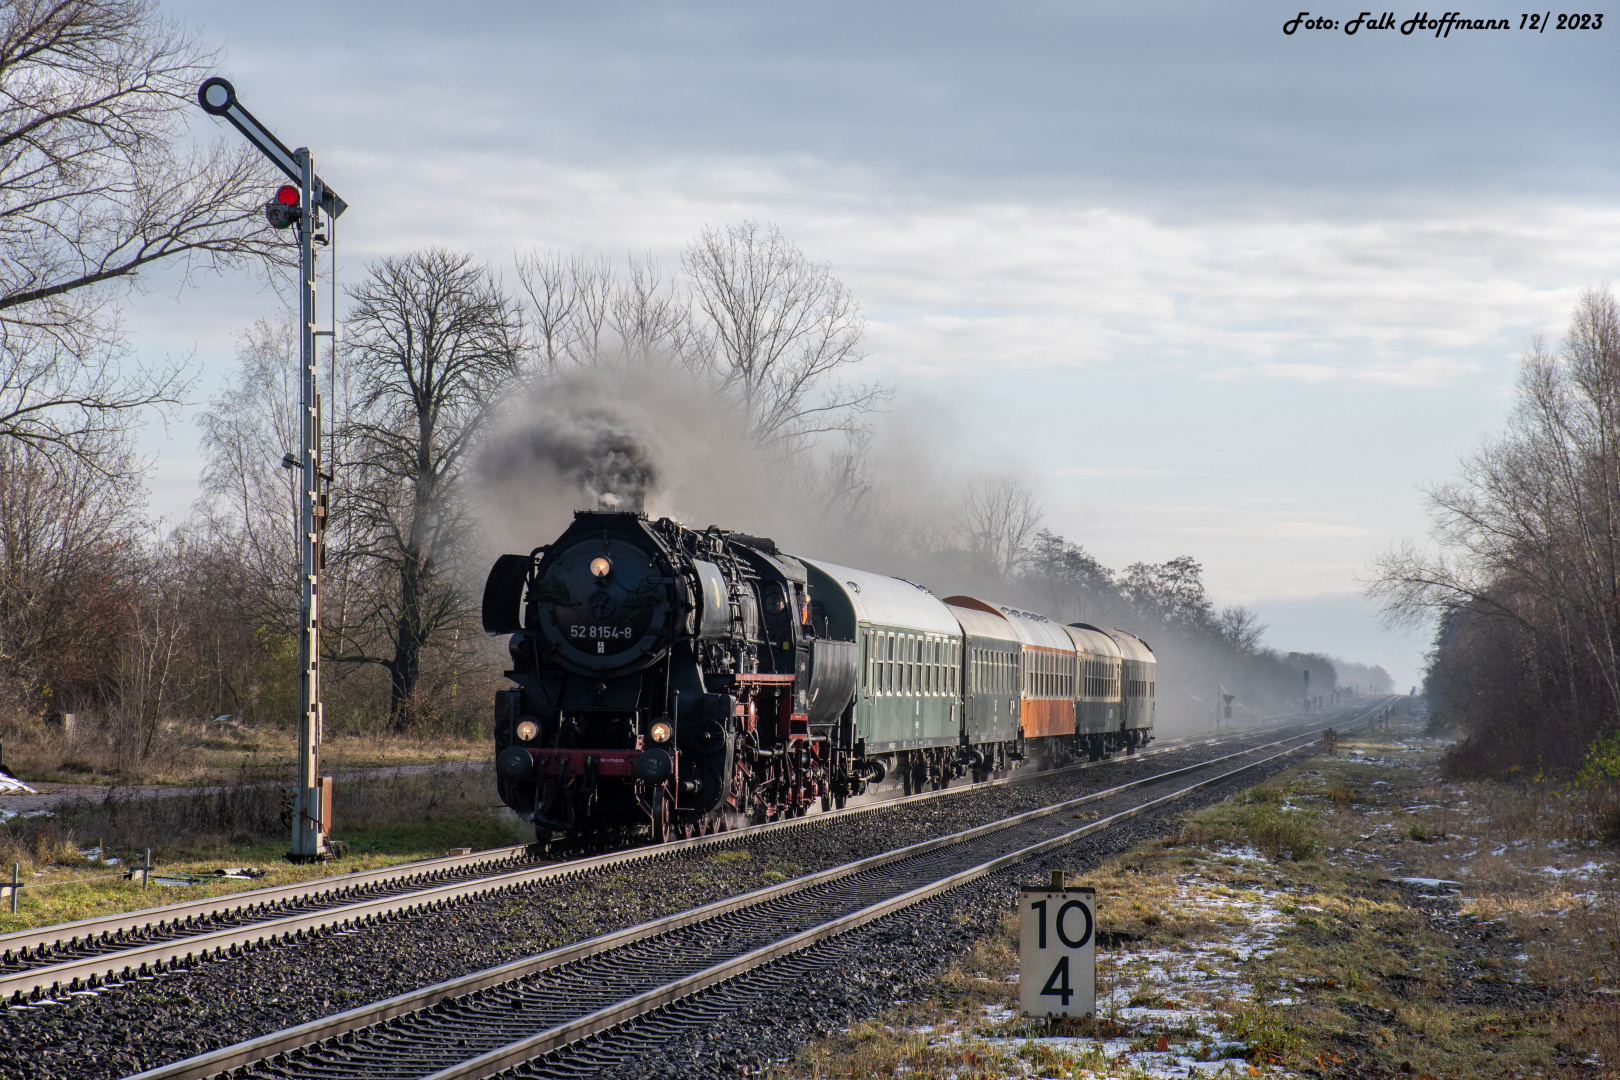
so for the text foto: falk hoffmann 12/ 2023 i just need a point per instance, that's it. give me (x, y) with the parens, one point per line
(1444, 24)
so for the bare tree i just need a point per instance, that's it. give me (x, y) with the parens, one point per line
(570, 297)
(653, 319)
(1069, 578)
(154, 676)
(1170, 593)
(782, 325)
(432, 338)
(1240, 628)
(94, 190)
(586, 314)
(66, 543)
(1528, 538)
(997, 519)
(249, 499)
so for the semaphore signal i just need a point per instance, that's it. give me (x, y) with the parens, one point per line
(299, 205)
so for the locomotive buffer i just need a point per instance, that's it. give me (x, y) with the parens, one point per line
(300, 207)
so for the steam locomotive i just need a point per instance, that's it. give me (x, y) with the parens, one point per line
(675, 681)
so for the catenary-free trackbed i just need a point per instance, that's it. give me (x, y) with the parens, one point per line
(84, 954)
(494, 1019)
(145, 1021)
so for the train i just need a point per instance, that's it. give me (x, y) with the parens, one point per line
(672, 682)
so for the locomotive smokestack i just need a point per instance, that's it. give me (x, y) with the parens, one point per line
(635, 502)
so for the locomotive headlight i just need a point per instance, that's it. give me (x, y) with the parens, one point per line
(662, 731)
(527, 730)
(600, 567)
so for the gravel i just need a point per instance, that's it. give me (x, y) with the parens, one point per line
(769, 1014)
(144, 1022)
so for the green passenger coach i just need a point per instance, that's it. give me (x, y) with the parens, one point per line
(909, 668)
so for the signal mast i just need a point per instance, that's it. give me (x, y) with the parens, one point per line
(300, 205)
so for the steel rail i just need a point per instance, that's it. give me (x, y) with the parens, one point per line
(87, 933)
(327, 1028)
(147, 920)
(95, 970)
(161, 919)
(516, 1053)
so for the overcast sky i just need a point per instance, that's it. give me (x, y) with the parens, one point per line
(1210, 288)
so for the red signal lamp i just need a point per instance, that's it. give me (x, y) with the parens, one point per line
(283, 210)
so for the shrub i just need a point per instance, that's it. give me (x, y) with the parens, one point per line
(1278, 833)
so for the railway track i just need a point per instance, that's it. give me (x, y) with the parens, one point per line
(82, 955)
(581, 1002)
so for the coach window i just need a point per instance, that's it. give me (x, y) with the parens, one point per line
(879, 679)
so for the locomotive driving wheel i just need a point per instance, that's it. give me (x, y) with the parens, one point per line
(660, 815)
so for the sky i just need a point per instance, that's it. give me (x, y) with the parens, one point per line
(1208, 287)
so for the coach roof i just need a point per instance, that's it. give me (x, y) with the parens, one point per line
(881, 600)
(1029, 627)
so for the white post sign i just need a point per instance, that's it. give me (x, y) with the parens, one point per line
(1057, 951)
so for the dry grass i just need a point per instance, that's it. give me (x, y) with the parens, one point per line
(1313, 959)
(206, 752)
(384, 819)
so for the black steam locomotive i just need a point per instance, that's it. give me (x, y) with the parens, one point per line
(676, 680)
(666, 677)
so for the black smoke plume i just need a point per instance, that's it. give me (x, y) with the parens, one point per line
(581, 437)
